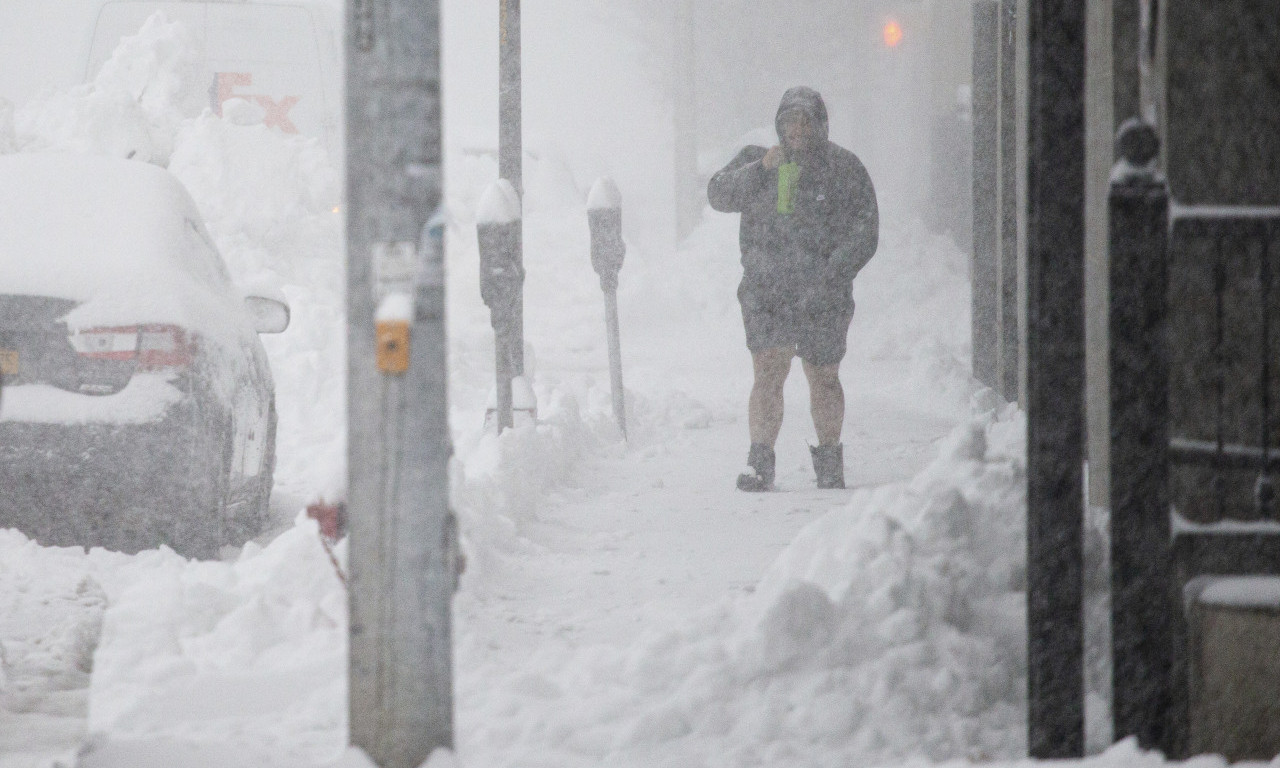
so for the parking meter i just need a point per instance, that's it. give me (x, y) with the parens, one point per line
(604, 215)
(498, 231)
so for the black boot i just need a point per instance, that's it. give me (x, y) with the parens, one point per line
(760, 476)
(828, 463)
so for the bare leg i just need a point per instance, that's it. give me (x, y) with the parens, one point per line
(764, 409)
(826, 402)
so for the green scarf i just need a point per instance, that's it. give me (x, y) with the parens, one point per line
(788, 175)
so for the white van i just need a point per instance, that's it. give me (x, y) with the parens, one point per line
(284, 57)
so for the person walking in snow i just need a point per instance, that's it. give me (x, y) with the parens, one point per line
(809, 223)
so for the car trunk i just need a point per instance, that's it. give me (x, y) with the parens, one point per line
(36, 348)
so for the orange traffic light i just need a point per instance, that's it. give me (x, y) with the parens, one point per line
(892, 33)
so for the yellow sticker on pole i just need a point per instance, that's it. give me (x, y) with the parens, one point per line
(393, 346)
(391, 326)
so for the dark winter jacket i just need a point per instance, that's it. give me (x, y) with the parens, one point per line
(805, 259)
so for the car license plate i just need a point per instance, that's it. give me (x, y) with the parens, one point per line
(9, 362)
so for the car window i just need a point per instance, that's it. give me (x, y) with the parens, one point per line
(202, 258)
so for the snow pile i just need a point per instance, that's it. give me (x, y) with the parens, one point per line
(131, 109)
(505, 479)
(891, 629)
(253, 650)
(918, 607)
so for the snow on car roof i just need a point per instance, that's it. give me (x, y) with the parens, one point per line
(123, 237)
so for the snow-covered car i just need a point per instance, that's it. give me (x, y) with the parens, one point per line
(137, 405)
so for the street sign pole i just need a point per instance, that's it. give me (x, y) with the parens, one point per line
(402, 536)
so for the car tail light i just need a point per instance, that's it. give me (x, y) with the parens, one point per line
(153, 347)
(164, 346)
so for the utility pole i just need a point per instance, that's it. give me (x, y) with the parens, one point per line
(510, 111)
(402, 536)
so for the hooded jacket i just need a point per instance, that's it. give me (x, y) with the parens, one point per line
(805, 259)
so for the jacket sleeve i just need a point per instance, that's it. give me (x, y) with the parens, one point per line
(733, 186)
(860, 237)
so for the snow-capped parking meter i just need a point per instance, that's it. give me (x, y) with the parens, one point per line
(498, 226)
(604, 214)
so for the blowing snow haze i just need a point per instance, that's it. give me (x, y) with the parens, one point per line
(623, 604)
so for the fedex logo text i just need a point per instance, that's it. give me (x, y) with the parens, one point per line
(224, 88)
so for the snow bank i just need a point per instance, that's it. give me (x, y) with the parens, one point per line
(253, 651)
(890, 630)
(504, 480)
(132, 108)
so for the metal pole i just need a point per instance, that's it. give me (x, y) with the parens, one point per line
(986, 273)
(402, 549)
(1143, 593)
(510, 151)
(1010, 365)
(510, 142)
(615, 360)
(604, 215)
(1055, 378)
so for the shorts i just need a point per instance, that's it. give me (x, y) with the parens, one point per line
(819, 337)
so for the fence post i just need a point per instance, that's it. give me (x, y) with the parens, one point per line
(1143, 599)
(498, 231)
(402, 568)
(604, 214)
